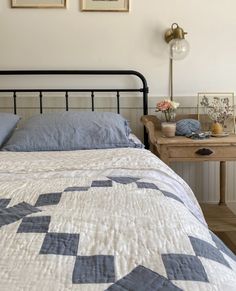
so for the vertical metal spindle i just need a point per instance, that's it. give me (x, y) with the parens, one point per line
(92, 97)
(118, 101)
(41, 102)
(67, 103)
(14, 102)
(171, 79)
(145, 112)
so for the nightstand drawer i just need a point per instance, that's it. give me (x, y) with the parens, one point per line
(202, 151)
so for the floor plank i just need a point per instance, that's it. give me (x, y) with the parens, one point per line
(216, 211)
(229, 238)
(222, 221)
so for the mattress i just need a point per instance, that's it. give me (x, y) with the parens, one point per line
(114, 219)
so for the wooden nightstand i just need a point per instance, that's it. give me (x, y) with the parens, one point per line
(182, 149)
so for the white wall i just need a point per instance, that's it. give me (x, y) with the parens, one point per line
(59, 38)
(70, 39)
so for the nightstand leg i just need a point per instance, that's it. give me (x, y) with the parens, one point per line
(222, 182)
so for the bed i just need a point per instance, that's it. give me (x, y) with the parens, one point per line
(103, 219)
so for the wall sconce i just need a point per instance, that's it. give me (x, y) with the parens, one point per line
(178, 46)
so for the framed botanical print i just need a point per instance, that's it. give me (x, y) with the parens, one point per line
(38, 3)
(216, 108)
(104, 5)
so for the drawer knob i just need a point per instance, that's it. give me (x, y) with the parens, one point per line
(204, 152)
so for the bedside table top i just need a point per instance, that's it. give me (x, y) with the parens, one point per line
(180, 140)
(153, 126)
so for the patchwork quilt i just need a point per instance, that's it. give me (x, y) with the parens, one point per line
(113, 220)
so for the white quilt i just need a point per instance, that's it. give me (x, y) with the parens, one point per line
(116, 219)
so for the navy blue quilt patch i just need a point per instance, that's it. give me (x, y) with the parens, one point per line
(48, 199)
(184, 267)
(4, 202)
(34, 224)
(146, 185)
(65, 244)
(76, 188)
(143, 279)
(94, 269)
(104, 183)
(222, 247)
(206, 250)
(15, 213)
(173, 196)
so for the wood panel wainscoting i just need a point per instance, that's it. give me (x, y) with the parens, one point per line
(221, 220)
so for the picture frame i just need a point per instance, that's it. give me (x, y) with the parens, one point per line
(38, 3)
(105, 5)
(216, 107)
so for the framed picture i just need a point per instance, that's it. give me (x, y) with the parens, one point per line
(38, 3)
(104, 5)
(216, 108)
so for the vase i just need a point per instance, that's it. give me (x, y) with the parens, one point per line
(168, 129)
(168, 116)
(217, 128)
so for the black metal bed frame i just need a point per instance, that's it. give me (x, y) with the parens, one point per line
(118, 91)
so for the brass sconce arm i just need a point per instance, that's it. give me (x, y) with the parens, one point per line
(175, 32)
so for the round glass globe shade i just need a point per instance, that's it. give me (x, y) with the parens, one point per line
(179, 49)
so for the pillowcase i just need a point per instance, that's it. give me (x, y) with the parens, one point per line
(8, 123)
(66, 131)
(136, 141)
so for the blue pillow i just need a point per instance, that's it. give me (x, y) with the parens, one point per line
(66, 131)
(8, 123)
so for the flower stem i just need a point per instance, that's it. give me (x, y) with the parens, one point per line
(166, 115)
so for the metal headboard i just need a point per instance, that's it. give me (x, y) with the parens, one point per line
(117, 91)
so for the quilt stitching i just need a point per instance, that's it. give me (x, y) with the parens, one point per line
(175, 197)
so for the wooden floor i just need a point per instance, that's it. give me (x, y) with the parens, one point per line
(222, 221)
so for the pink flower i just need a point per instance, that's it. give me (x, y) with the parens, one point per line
(167, 107)
(163, 105)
